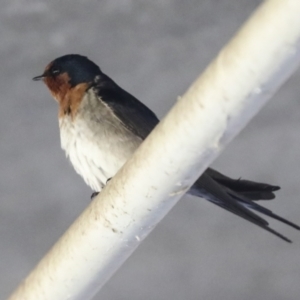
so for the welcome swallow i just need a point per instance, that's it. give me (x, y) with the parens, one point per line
(101, 125)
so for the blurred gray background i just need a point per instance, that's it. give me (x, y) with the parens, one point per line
(153, 49)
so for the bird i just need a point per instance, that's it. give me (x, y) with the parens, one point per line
(101, 125)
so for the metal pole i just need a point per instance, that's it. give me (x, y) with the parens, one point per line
(214, 109)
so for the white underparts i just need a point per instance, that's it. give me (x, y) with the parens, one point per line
(95, 141)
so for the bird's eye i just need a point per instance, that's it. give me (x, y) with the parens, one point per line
(55, 71)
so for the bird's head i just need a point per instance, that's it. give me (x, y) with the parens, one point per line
(68, 77)
(68, 71)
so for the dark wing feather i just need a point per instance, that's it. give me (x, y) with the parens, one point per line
(251, 189)
(134, 115)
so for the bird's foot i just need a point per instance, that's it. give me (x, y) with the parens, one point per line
(94, 195)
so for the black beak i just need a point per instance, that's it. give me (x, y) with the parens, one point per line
(40, 77)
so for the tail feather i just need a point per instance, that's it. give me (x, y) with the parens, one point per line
(252, 205)
(237, 197)
(252, 190)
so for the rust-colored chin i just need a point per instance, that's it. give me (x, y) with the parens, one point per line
(68, 98)
(58, 86)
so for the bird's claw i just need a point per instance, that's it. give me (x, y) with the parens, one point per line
(94, 195)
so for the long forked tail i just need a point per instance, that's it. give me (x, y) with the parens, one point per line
(238, 196)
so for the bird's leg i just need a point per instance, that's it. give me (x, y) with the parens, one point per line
(94, 195)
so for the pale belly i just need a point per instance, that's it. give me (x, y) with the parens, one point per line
(97, 150)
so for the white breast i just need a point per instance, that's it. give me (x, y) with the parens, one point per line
(80, 152)
(95, 143)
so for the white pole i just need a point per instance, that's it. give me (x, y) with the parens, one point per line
(215, 108)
